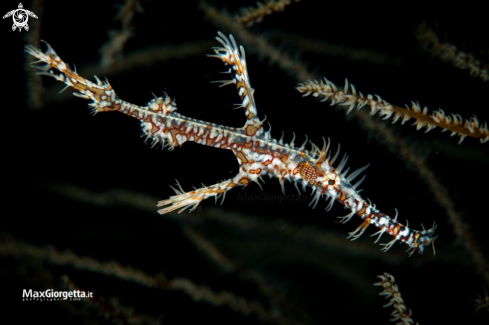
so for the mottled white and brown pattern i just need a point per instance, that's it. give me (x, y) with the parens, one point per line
(257, 152)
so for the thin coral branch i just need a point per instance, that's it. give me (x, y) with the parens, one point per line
(323, 48)
(251, 15)
(226, 263)
(10, 246)
(392, 291)
(348, 96)
(111, 309)
(450, 53)
(119, 38)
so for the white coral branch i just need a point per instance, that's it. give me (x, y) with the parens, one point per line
(392, 291)
(348, 96)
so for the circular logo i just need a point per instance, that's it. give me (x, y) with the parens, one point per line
(20, 18)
